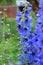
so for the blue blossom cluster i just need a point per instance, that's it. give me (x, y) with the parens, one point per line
(31, 51)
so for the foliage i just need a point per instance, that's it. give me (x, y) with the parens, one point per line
(7, 2)
(9, 41)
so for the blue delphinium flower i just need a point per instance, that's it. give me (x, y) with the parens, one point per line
(38, 36)
(32, 43)
(24, 27)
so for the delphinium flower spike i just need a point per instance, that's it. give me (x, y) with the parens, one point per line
(32, 43)
(38, 36)
(24, 20)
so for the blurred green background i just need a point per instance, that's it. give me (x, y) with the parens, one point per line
(8, 40)
(8, 1)
(8, 37)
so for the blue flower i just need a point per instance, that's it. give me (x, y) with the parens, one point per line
(37, 63)
(32, 43)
